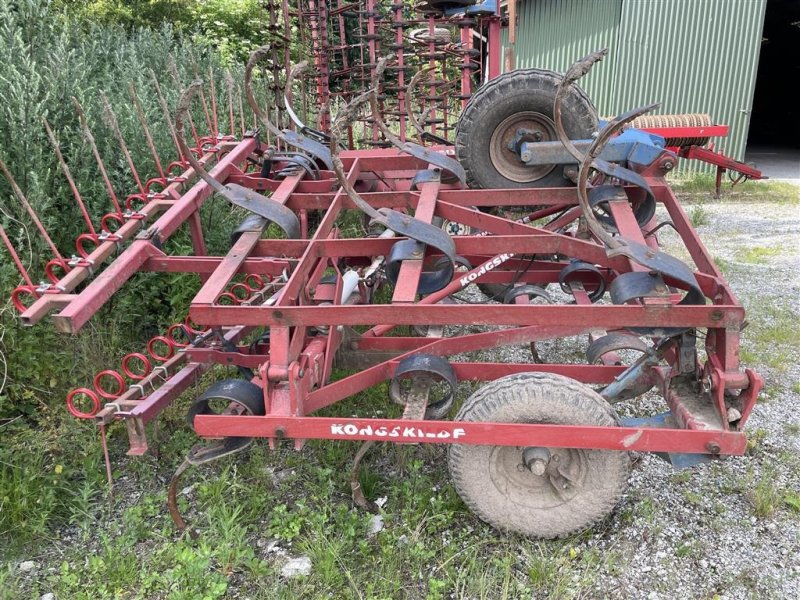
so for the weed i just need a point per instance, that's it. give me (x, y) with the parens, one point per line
(792, 428)
(703, 184)
(757, 255)
(755, 440)
(765, 497)
(792, 500)
(699, 216)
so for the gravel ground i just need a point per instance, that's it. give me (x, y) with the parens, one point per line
(696, 533)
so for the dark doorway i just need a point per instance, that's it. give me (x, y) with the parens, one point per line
(774, 134)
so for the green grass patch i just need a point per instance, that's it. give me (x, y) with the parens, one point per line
(757, 255)
(780, 192)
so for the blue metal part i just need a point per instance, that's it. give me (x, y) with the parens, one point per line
(479, 9)
(632, 146)
(677, 460)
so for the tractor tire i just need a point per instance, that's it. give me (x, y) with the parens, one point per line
(518, 99)
(493, 481)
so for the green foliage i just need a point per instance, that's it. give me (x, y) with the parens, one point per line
(233, 27)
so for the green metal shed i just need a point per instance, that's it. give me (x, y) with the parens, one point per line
(693, 56)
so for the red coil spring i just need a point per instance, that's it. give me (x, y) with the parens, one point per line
(82, 239)
(75, 411)
(19, 292)
(53, 266)
(178, 329)
(147, 366)
(152, 348)
(105, 222)
(101, 389)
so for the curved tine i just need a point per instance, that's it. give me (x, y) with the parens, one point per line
(617, 124)
(586, 164)
(254, 59)
(344, 118)
(181, 113)
(373, 102)
(294, 72)
(579, 68)
(409, 95)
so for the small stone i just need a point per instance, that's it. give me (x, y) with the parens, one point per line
(187, 490)
(375, 525)
(27, 565)
(402, 540)
(703, 563)
(48, 596)
(381, 502)
(297, 567)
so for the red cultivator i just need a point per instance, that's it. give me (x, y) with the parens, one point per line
(359, 260)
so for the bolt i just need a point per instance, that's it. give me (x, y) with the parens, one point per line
(537, 136)
(301, 373)
(716, 315)
(650, 253)
(668, 165)
(538, 467)
(713, 447)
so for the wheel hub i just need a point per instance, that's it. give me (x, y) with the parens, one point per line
(552, 479)
(527, 126)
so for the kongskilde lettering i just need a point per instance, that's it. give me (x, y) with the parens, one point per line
(493, 264)
(352, 430)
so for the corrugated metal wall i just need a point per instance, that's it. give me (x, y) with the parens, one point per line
(691, 55)
(551, 34)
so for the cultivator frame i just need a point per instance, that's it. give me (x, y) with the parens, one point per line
(286, 312)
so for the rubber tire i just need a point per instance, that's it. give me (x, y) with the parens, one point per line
(538, 398)
(508, 94)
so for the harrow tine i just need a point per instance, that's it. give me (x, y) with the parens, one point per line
(409, 96)
(87, 133)
(15, 257)
(137, 106)
(201, 93)
(229, 85)
(173, 71)
(111, 121)
(162, 102)
(213, 91)
(29, 209)
(68, 175)
(261, 116)
(241, 109)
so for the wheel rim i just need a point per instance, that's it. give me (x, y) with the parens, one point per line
(507, 161)
(523, 488)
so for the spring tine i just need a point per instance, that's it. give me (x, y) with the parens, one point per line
(15, 257)
(203, 102)
(241, 109)
(162, 102)
(29, 209)
(111, 119)
(213, 91)
(87, 133)
(137, 106)
(173, 71)
(68, 175)
(229, 84)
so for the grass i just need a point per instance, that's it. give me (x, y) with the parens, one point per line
(773, 337)
(765, 497)
(701, 184)
(757, 255)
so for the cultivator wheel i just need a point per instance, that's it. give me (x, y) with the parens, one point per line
(537, 491)
(514, 108)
